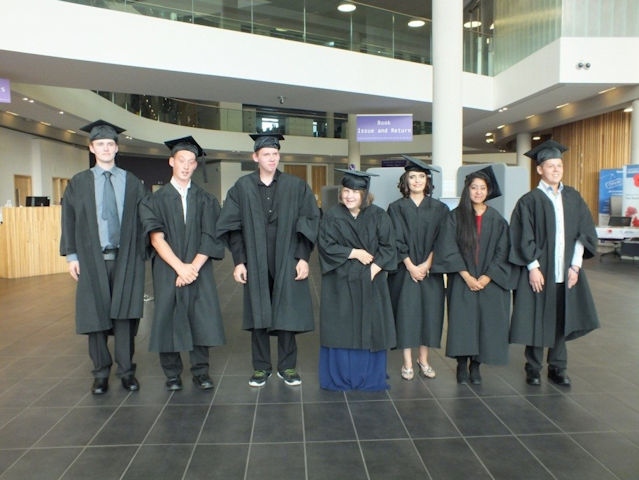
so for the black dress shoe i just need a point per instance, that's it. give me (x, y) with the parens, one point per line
(533, 378)
(174, 384)
(100, 386)
(475, 376)
(203, 382)
(130, 383)
(558, 376)
(462, 373)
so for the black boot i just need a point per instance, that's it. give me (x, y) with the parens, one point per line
(475, 376)
(462, 370)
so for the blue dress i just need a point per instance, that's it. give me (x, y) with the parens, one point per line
(356, 314)
(342, 369)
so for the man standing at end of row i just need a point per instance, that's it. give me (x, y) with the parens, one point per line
(270, 220)
(551, 231)
(103, 243)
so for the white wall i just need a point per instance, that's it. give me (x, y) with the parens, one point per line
(41, 159)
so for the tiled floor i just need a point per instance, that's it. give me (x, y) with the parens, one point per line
(51, 427)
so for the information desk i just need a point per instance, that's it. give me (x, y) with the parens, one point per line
(30, 242)
(617, 233)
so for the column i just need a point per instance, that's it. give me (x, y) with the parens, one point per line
(634, 133)
(353, 144)
(524, 144)
(447, 90)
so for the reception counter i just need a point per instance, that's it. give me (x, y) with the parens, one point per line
(30, 242)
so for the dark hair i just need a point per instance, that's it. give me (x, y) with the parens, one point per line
(466, 234)
(405, 189)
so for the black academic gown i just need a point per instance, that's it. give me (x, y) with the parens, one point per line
(295, 212)
(478, 322)
(356, 313)
(96, 305)
(184, 316)
(532, 233)
(418, 306)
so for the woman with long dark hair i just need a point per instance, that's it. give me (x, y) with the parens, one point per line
(475, 254)
(416, 291)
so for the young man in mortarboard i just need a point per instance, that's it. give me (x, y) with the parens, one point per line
(551, 232)
(180, 220)
(270, 220)
(102, 241)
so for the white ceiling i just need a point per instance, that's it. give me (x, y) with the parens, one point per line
(28, 69)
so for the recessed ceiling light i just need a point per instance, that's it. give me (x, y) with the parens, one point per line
(502, 109)
(501, 126)
(46, 124)
(60, 112)
(70, 131)
(472, 24)
(530, 116)
(607, 90)
(627, 109)
(12, 113)
(416, 23)
(536, 137)
(561, 106)
(346, 7)
(488, 134)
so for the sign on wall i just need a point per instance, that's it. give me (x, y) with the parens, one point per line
(5, 90)
(385, 128)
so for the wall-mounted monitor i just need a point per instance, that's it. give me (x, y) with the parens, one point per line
(38, 201)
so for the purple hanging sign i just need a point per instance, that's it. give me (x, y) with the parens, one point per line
(5, 90)
(384, 128)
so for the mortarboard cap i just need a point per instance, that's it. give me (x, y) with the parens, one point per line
(101, 129)
(185, 143)
(546, 150)
(262, 140)
(489, 175)
(413, 163)
(355, 179)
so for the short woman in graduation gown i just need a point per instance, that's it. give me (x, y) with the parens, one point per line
(417, 293)
(474, 250)
(357, 248)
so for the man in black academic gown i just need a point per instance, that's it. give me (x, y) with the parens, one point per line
(270, 220)
(551, 232)
(180, 220)
(102, 240)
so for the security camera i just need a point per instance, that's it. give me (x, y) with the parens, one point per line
(281, 99)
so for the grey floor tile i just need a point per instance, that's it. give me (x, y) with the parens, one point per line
(565, 458)
(42, 464)
(506, 458)
(425, 419)
(228, 424)
(328, 422)
(226, 462)
(100, 463)
(178, 424)
(472, 417)
(451, 459)
(346, 461)
(520, 416)
(77, 428)
(278, 423)
(284, 461)
(392, 459)
(159, 462)
(127, 426)
(617, 453)
(377, 420)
